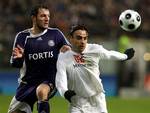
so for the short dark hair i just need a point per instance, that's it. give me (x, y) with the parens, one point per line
(77, 27)
(35, 9)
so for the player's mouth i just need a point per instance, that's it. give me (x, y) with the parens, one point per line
(46, 23)
(82, 47)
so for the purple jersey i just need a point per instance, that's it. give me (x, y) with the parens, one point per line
(40, 55)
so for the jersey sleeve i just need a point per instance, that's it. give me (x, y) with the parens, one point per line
(61, 77)
(62, 38)
(111, 54)
(19, 40)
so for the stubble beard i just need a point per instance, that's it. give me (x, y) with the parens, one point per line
(41, 28)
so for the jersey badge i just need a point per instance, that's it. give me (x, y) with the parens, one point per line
(51, 43)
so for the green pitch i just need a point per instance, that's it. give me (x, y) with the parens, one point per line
(115, 105)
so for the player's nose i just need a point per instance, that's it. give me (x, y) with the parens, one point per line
(47, 18)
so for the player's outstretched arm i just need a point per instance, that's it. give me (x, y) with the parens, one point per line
(130, 53)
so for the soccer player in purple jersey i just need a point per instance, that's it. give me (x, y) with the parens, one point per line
(35, 52)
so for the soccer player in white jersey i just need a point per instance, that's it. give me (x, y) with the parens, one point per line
(77, 77)
(35, 52)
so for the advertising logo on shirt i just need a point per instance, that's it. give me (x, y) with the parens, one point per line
(80, 62)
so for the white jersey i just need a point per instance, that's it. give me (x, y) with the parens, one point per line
(80, 72)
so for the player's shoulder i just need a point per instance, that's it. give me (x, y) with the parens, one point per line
(64, 55)
(94, 46)
(53, 29)
(26, 31)
(23, 33)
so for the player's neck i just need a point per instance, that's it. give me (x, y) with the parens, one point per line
(76, 51)
(35, 30)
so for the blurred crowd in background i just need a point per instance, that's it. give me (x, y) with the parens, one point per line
(100, 16)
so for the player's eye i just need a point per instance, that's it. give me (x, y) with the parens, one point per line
(78, 37)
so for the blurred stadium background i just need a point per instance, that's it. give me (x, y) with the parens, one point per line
(127, 84)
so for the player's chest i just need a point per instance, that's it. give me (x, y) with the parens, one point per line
(40, 44)
(41, 49)
(82, 61)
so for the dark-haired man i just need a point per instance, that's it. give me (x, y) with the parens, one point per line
(77, 78)
(35, 52)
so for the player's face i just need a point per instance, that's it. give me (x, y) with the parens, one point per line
(42, 18)
(79, 40)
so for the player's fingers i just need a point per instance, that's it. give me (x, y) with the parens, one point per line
(15, 50)
(65, 48)
(62, 49)
(20, 48)
(16, 53)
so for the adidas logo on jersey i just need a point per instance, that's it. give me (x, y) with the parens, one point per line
(39, 38)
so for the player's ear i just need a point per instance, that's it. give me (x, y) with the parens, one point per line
(33, 18)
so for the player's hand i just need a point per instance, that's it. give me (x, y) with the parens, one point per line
(69, 94)
(18, 52)
(65, 48)
(130, 53)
